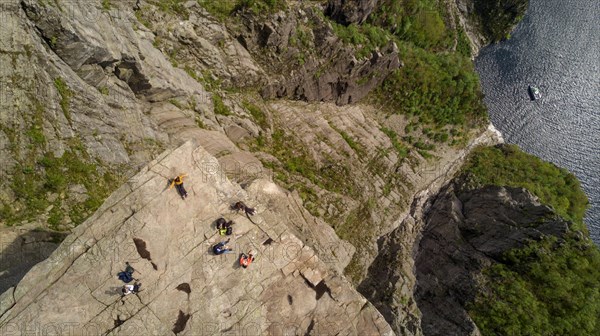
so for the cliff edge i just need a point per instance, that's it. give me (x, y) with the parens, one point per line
(186, 289)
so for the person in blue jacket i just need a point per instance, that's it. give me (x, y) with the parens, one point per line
(222, 248)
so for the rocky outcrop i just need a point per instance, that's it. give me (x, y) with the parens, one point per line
(186, 290)
(328, 69)
(390, 281)
(465, 231)
(468, 21)
(117, 86)
(350, 11)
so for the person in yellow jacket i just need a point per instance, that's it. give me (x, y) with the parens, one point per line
(178, 183)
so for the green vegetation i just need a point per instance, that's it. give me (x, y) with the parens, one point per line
(441, 89)
(104, 90)
(220, 107)
(497, 17)
(219, 9)
(507, 165)
(223, 9)
(256, 113)
(420, 22)
(400, 148)
(436, 85)
(352, 143)
(175, 7)
(209, 82)
(65, 96)
(106, 5)
(53, 41)
(357, 226)
(550, 287)
(547, 288)
(463, 46)
(367, 37)
(141, 19)
(33, 181)
(295, 159)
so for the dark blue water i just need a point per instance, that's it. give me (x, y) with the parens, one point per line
(556, 48)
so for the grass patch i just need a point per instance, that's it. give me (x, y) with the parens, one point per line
(367, 38)
(65, 96)
(256, 113)
(420, 22)
(400, 148)
(219, 9)
(223, 9)
(141, 19)
(507, 165)
(357, 229)
(174, 7)
(463, 46)
(206, 78)
(32, 182)
(106, 5)
(351, 142)
(219, 106)
(294, 159)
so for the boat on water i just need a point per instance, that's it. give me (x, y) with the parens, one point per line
(534, 92)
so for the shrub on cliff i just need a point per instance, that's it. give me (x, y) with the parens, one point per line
(498, 17)
(439, 88)
(552, 286)
(507, 165)
(547, 288)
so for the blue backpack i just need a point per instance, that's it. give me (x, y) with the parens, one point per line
(126, 277)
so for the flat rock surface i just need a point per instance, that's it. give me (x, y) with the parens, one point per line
(185, 288)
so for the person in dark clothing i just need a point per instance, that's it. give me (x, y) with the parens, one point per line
(241, 206)
(222, 248)
(127, 275)
(224, 226)
(128, 268)
(129, 289)
(178, 183)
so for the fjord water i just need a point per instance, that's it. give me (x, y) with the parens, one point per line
(556, 48)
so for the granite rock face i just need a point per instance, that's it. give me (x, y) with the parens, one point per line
(138, 82)
(290, 287)
(466, 231)
(305, 60)
(350, 11)
(463, 231)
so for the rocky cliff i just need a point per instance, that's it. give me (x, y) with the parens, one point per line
(465, 232)
(186, 289)
(272, 106)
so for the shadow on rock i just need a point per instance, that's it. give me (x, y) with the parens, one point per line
(20, 254)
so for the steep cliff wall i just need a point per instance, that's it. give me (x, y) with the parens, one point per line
(464, 233)
(117, 83)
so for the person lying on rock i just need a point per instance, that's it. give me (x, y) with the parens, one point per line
(178, 183)
(128, 289)
(127, 275)
(222, 248)
(241, 206)
(224, 226)
(246, 260)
